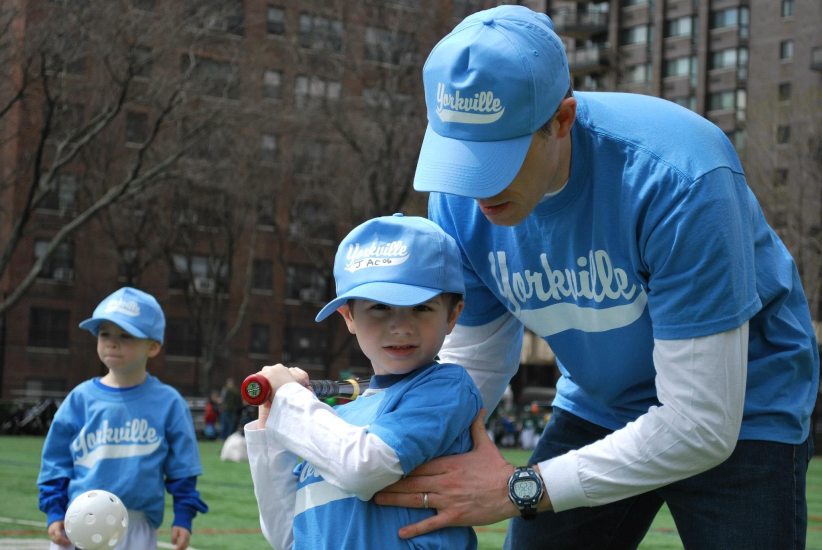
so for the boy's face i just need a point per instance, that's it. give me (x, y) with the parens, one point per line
(121, 352)
(399, 339)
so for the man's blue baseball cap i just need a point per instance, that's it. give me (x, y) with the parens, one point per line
(396, 260)
(133, 310)
(489, 85)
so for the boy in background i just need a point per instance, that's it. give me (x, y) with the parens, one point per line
(126, 432)
(399, 289)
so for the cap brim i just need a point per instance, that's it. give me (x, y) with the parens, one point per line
(395, 294)
(93, 325)
(475, 169)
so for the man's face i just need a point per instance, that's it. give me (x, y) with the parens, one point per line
(539, 174)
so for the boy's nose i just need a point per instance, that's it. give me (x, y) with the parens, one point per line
(400, 320)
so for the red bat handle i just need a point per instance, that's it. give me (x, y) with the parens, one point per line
(255, 389)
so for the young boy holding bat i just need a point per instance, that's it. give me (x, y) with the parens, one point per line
(126, 432)
(399, 290)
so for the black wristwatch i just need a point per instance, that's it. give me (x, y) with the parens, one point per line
(525, 490)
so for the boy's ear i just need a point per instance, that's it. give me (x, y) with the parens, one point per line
(345, 311)
(455, 313)
(154, 349)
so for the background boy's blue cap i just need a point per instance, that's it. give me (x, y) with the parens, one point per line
(396, 260)
(489, 85)
(134, 311)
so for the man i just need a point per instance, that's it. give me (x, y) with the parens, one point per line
(620, 228)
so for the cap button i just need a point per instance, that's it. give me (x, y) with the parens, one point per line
(489, 20)
(398, 214)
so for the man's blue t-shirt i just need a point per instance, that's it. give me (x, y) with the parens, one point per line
(655, 235)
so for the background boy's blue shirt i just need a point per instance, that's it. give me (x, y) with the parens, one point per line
(421, 416)
(127, 442)
(656, 226)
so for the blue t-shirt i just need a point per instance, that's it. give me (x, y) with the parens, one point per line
(655, 235)
(127, 442)
(422, 415)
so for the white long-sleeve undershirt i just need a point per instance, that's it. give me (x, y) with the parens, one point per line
(700, 384)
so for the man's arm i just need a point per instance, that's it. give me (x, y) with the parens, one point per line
(701, 385)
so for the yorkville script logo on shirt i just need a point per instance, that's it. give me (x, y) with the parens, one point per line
(480, 108)
(375, 255)
(135, 438)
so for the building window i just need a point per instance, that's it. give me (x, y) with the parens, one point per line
(721, 101)
(272, 84)
(62, 198)
(211, 77)
(141, 60)
(680, 66)
(275, 20)
(681, 26)
(268, 147)
(784, 91)
(57, 64)
(260, 339)
(786, 50)
(263, 275)
(320, 33)
(314, 88)
(641, 34)
(265, 212)
(783, 134)
(689, 101)
(306, 284)
(386, 46)
(723, 59)
(48, 328)
(136, 127)
(199, 274)
(67, 119)
(304, 345)
(60, 265)
(787, 8)
(638, 73)
(627, 3)
(780, 179)
(185, 340)
(224, 16)
(310, 219)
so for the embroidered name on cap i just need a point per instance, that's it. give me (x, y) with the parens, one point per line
(468, 110)
(126, 307)
(375, 255)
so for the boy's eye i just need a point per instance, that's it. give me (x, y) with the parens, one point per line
(376, 306)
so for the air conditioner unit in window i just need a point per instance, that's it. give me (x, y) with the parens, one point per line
(65, 274)
(310, 294)
(204, 285)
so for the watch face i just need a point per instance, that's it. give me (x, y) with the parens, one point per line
(526, 488)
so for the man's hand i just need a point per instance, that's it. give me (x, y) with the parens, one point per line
(180, 537)
(57, 533)
(467, 489)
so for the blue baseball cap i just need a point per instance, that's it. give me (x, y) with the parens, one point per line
(489, 85)
(134, 311)
(396, 260)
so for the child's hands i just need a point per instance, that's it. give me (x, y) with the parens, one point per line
(277, 376)
(180, 537)
(57, 533)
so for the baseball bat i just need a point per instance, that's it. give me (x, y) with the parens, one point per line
(256, 390)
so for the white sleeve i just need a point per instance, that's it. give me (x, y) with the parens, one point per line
(490, 353)
(700, 384)
(274, 485)
(347, 456)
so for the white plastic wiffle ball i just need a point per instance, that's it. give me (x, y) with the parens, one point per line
(96, 520)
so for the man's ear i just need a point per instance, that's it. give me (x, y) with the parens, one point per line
(566, 115)
(345, 311)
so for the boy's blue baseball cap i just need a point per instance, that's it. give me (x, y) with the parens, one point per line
(395, 260)
(133, 310)
(489, 85)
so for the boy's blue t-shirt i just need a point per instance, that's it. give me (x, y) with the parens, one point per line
(422, 415)
(127, 442)
(655, 235)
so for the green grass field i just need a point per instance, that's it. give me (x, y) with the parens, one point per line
(232, 521)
